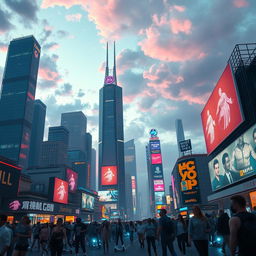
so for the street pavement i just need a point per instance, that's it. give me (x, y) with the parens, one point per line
(133, 249)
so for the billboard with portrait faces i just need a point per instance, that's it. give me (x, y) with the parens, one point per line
(108, 175)
(222, 113)
(60, 192)
(72, 180)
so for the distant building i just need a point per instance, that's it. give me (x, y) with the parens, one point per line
(59, 133)
(179, 134)
(17, 98)
(88, 154)
(93, 170)
(37, 133)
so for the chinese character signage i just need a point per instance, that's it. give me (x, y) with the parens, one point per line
(60, 193)
(189, 186)
(72, 180)
(236, 162)
(30, 205)
(222, 113)
(108, 175)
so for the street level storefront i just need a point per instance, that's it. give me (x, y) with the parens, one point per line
(38, 210)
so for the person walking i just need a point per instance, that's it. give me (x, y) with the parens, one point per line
(44, 238)
(57, 237)
(35, 233)
(223, 229)
(5, 236)
(166, 230)
(150, 232)
(242, 228)
(198, 231)
(131, 230)
(105, 230)
(140, 233)
(181, 230)
(22, 234)
(79, 234)
(119, 234)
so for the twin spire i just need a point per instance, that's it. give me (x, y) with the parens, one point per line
(114, 67)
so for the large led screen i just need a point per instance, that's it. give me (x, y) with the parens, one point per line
(236, 162)
(157, 171)
(156, 158)
(87, 202)
(188, 178)
(60, 192)
(72, 180)
(158, 185)
(108, 195)
(222, 113)
(108, 175)
(155, 146)
(159, 197)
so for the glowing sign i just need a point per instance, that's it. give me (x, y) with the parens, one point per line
(156, 158)
(159, 197)
(222, 113)
(108, 195)
(87, 202)
(153, 133)
(158, 185)
(72, 180)
(109, 80)
(60, 193)
(154, 146)
(108, 175)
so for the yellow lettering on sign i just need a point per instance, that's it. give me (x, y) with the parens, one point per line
(5, 178)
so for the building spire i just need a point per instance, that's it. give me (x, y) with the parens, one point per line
(114, 69)
(106, 69)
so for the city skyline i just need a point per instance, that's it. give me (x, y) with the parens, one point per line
(159, 86)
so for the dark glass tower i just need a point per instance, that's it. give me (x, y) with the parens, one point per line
(111, 137)
(17, 98)
(37, 133)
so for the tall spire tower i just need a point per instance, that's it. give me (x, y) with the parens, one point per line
(106, 69)
(111, 142)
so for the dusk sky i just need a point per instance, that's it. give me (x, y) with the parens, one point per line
(170, 54)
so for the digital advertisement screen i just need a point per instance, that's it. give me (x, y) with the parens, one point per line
(189, 187)
(155, 146)
(253, 198)
(60, 192)
(108, 195)
(156, 158)
(87, 202)
(108, 175)
(222, 113)
(72, 180)
(236, 162)
(157, 171)
(159, 197)
(133, 179)
(158, 185)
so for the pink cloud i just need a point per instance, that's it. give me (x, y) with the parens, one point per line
(3, 48)
(49, 75)
(179, 8)
(74, 17)
(178, 26)
(65, 3)
(240, 3)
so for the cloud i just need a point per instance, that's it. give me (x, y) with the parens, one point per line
(27, 9)
(65, 3)
(240, 3)
(178, 26)
(179, 8)
(5, 24)
(64, 90)
(74, 17)
(63, 34)
(3, 47)
(80, 93)
(51, 46)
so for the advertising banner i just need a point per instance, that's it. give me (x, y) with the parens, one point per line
(60, 192)
(9, 179)
(108, 195)
(156, 159)
(87, 202)
(108, 175)
(189, 186)
(154, 146)
(159, 197)
(236, 162)
(253, 199)
(158, 185)
(222, 113)
(157, 171)
(185, 145)
(72, 180)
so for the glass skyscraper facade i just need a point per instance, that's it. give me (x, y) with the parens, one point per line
(17, 99)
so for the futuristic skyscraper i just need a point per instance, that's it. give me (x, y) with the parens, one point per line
(111, 141)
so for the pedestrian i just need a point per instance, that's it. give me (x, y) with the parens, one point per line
(131, 230)
(44, 238)
(35, 234)
(198, 231)
(119, 234)
(58, 235)
(141, 233)
(151, 232)
(5, 235)
(79, 234)
(213, 224)
(166, 230)
(69, 230)
(242, 228)
(22, 234)
(181, 231)
(223, 229)
(105, 230)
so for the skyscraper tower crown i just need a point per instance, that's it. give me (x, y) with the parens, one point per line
(110, 79)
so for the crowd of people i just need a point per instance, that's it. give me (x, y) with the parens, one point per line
(236, 235)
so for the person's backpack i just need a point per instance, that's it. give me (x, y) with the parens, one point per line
(168, 228)
(247, 232)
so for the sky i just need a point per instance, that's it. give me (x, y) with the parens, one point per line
(170, 55)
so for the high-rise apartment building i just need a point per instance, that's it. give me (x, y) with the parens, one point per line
(17, 98)
(37, 133)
